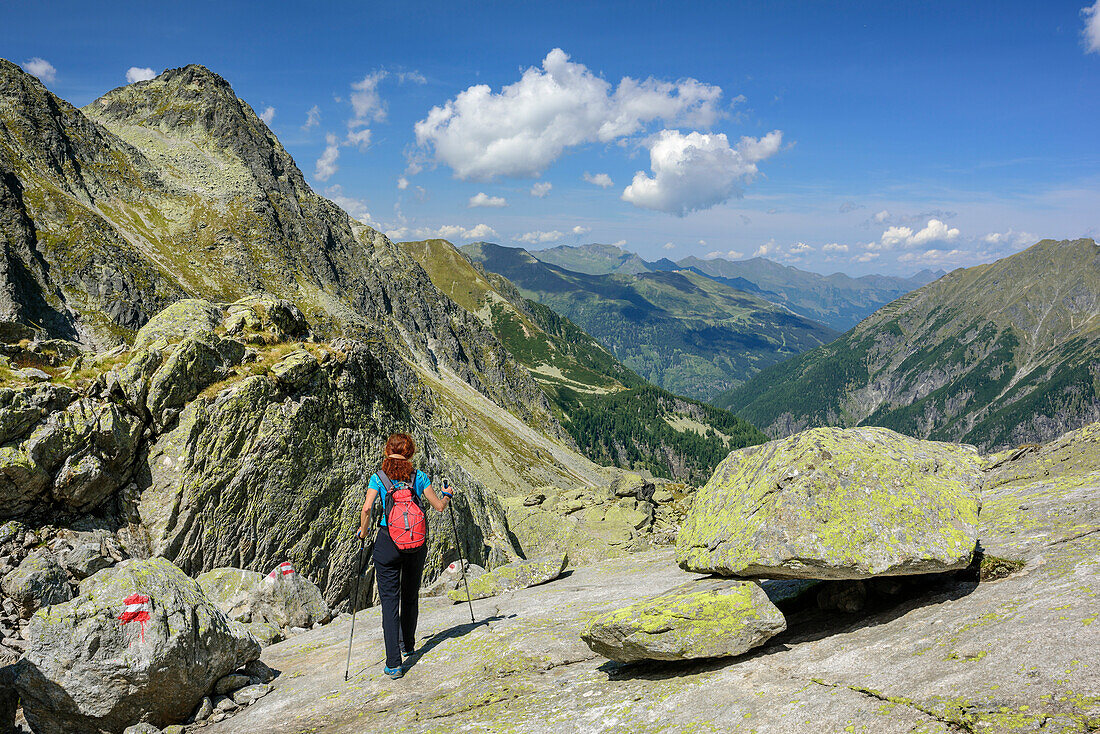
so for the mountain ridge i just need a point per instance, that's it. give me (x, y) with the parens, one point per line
(996, 355)
(685, 332)
(837, 299)
(613, 415)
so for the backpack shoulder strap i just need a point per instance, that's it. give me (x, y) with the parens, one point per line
(385, 480)
(387, 501)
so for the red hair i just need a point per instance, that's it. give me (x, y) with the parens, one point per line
(399, 470)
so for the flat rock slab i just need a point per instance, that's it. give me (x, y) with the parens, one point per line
(513, 576)
(832, 503)
(709, 618)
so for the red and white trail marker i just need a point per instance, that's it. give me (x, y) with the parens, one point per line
(136, 609)
(283, 569)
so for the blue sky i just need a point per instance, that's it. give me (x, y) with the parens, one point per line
(859, 137)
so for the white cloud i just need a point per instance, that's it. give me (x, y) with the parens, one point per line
(697, 171)
(934, 257)
(867, 257)
(313, 118)
(539, 237)
(541, 189)
(579, 230)
(41, 68)
(765, 249)
(483, 199)
(703, 243)
(934, 231)
(731, 254)
(1009, 238)
(410, 76)
(402, 183)
(139, 74)
(600, 179)
(268, 114)
(834, 247)
(525, 127)
(1091, 32)
(620, 244)
(366, 102)
(478, 232)
(670, 246)
(800, 248)
(446, 232)
(359, 138)
(881, 216)
(326, 164)
(357, 208)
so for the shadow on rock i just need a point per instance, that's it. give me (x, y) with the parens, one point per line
(451, 633)
(881, 601)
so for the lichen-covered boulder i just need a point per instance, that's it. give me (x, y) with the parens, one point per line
(833, 503)
(231, 590)
(188, 317)
(709, 618)
(141, 643)
(37, 582)
(512, 576)
(289, 600)
(76, 457)
(196, 363)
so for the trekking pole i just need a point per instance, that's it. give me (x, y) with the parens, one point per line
(354, 600)
(458, 545)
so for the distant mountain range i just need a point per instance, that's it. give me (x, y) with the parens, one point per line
(679, 329)
(839, 301)
(613, 414)
(994, 355)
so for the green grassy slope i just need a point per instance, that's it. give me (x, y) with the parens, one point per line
(993, 355)
(613, 414)
(680, 330)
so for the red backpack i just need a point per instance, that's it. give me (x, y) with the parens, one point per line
(405, 518)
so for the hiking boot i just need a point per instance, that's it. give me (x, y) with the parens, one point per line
(394, 673)
(407, 653)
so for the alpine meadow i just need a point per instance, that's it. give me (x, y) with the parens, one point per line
(543, 368)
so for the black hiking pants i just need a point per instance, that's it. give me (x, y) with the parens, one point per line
(398, 577)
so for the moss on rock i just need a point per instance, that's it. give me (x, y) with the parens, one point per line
(836, 504)
(700, 619)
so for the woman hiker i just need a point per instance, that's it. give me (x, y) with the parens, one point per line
(401, 545)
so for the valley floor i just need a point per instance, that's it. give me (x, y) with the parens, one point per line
(1018, 654)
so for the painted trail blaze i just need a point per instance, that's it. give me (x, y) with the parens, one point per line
(283, 569)
(136, 609)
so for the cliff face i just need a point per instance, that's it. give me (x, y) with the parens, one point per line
(995, 355)
(200, 354)
(174, 188)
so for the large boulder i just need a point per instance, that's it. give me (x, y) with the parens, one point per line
(833, 503)
(188, 317)
(288, 600)
(196, 363)
(230, 589)
(709, 618)
(97, 664)
(37, 582)
(282, 600)
(512, 576)
(77, 457)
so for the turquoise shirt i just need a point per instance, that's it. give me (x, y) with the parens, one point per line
(422, 483)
